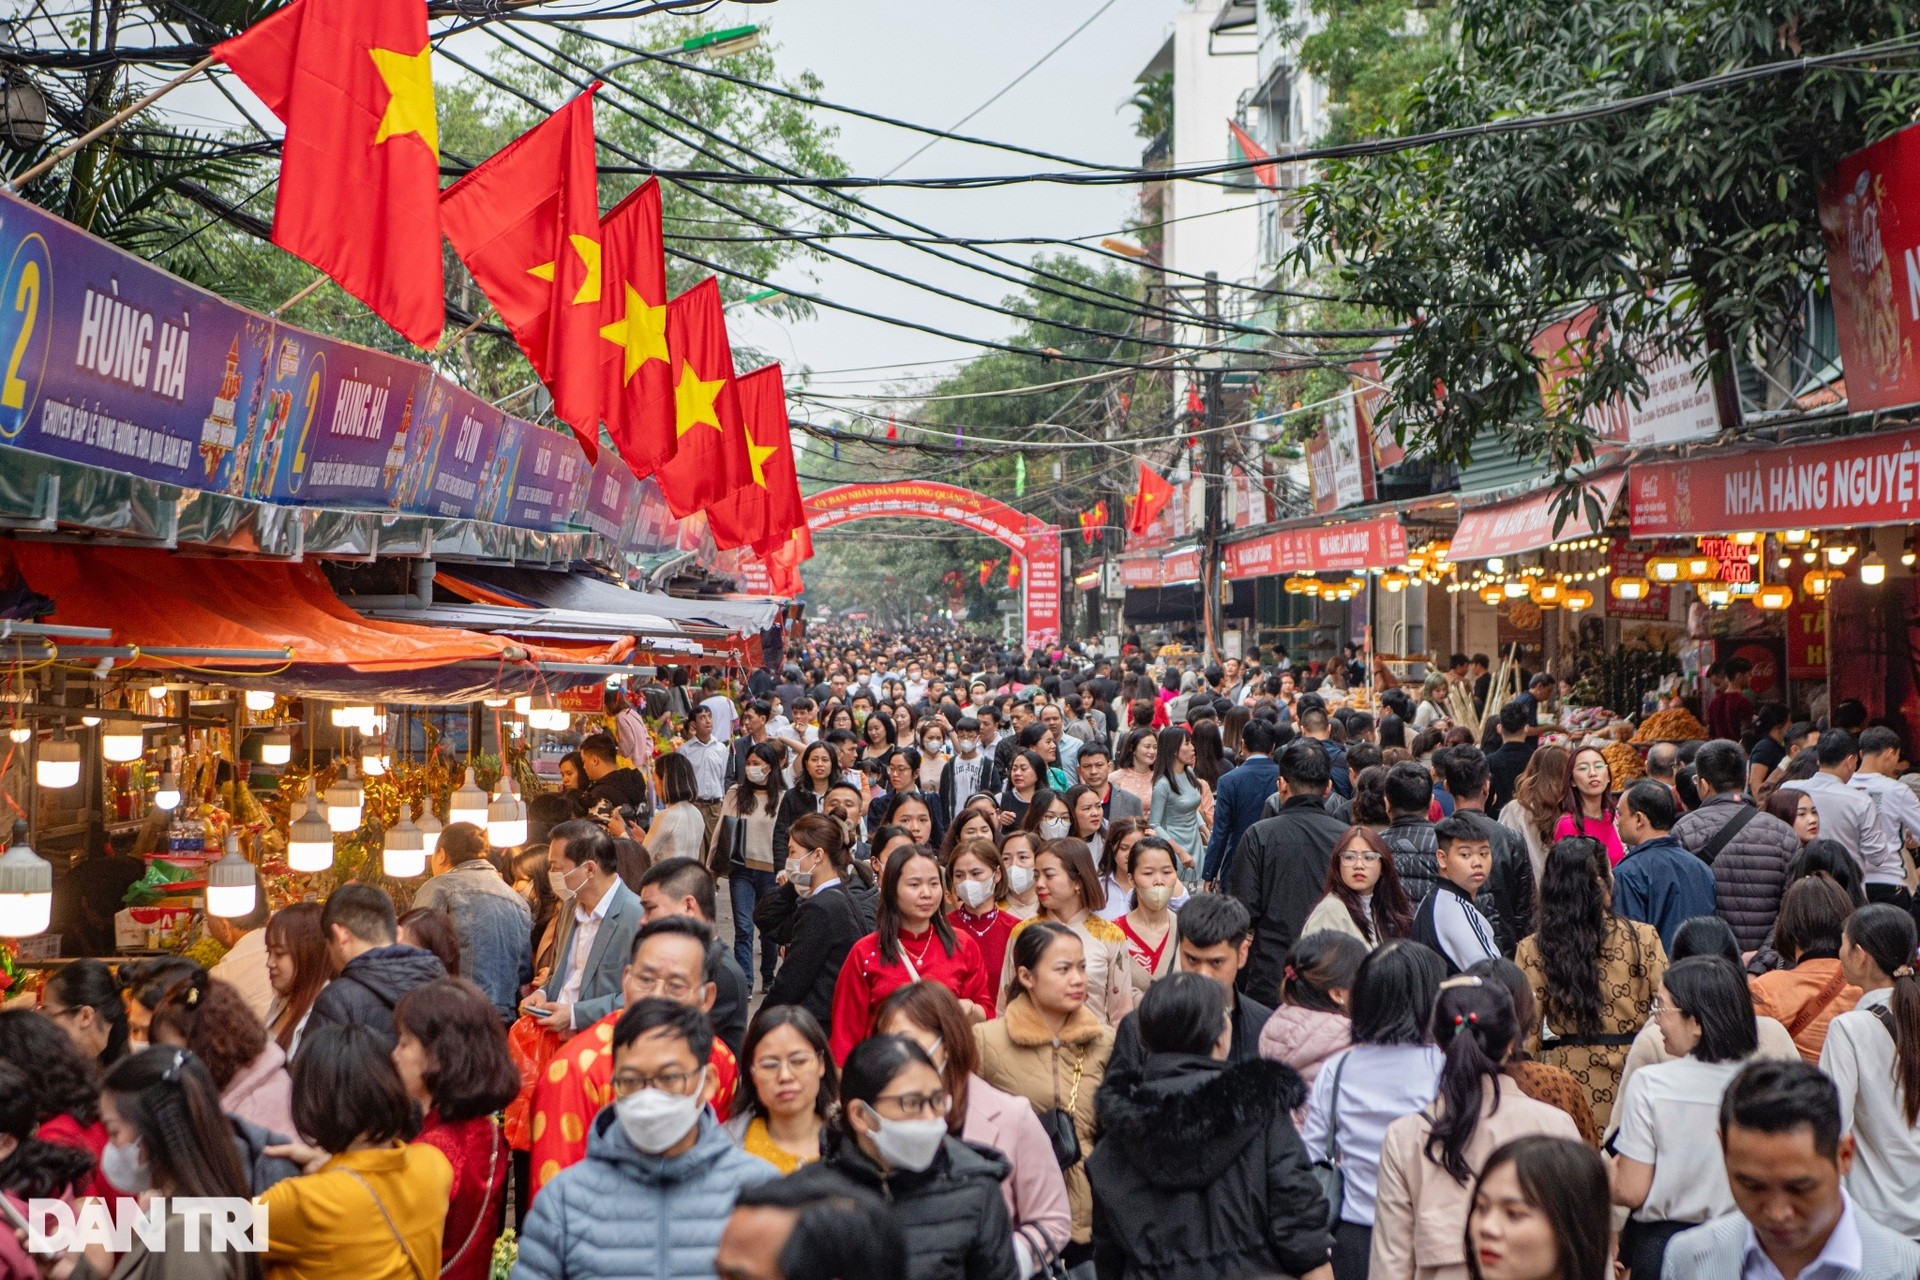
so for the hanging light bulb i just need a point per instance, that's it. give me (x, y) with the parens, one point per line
(1492, 594)
(1795, 537)
(469, 802)
(276, 748)
(1394, 581)
(495, 703)
(1745, 539)
(1817, 582)
(429, 831)
(158, 693)
(1665, 569)
(506, 816)
(26, 888)
(58, 765)
(1514, 588)
(403, 854)
(89, 720)
(523, 704)
(346, 799)
(20, 733)
(1496, 564)
(1907, 555)
(310, 838)
(260, 699)
(341, 717)
(230, 888)
(167, 795)
(1701, 568)
(1773, 597)
(1549, 593)
(1717, 595)
(1629, 588)
(1579, 600)
(1873, 570)
(122, 741)
(373, 758)
(1838, 553)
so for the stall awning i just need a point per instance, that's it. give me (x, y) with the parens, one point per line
(1526, 523)
(488, 584)
(1352, 545)
(1823, 484)
(1162, 569)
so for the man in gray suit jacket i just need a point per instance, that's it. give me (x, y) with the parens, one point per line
(1786, 1157)
(599, 917)
(1094, 766)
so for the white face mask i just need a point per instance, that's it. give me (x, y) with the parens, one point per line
(756, 774)
(1156, 896)
(1053, 828)
(561, 889)
(969, 745)
(908, 1144)
(1019, 879)
(654, 1119)
(126, 1168)
(975, 893)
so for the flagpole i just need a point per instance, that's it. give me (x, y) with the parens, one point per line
(305, 289)
(113, 121)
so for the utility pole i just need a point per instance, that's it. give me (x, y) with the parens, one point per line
(1213, 453)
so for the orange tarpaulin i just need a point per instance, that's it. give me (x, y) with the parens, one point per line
(155, 599)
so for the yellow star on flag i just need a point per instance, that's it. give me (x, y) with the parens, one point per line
(693, 401)
(409, 81)
(757, 457)
(642, 333)
(589, 250)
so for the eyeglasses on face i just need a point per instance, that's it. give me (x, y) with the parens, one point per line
(797, 1063)
(915, 1106)
(672, 1080)
(1358, 857)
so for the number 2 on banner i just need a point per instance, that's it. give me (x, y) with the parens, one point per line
(309, 402)
(20, 297)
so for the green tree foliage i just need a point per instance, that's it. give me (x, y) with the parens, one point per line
(1371, 54)
(1689, 224)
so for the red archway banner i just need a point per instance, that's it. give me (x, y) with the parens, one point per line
(1033, 540)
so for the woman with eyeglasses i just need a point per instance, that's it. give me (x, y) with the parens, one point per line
(1036, 1193)
(1363, 895)
(84, 999)
(891, 1137)
(790, 1088)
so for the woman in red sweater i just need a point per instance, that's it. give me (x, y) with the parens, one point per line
(911, 941)
(452, 1057)
(978, 885)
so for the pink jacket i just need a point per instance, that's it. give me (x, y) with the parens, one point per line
(262, 1092)
(1304, 1038)
(1035, 1191)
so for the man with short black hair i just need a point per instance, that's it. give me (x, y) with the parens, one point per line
(811, 1225)
(1896, 811)
(1659, 882)
(1746, 849)
(1847, 815)
(971, 769)
(683, 888)
(1279, 868)
(1729, 710)
(1239, 798)
(1096, 767)
(1409, 834)
(1480, 680)
(1215, 942)
(1509, 760)
(1315, 724)
(599, 916)
(375, 967)
(1447, 920)
(1787, 1155)
(609, 784)
(710, 757)
(1463, 772)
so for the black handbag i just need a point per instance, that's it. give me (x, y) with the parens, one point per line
(1326, 1170)
(1058, 1122)
(729, 845)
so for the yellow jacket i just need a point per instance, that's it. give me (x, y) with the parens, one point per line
(328, 1226)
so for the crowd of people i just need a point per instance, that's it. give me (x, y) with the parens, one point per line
(1057, 965)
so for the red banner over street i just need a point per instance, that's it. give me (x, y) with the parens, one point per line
(1870, 216)
(1527, 523)
(1860, 480)
(1362, 544)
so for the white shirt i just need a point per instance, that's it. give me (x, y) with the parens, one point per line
(966, 775)
(1839, 1257)
(1885, 1178)
(723, 714)
(1381, 1083)
(1849, 816)
(709, 761)
(1893, 803)
(1669, 1112)
(245, 970)
(586, 927)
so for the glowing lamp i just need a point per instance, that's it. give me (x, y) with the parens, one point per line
(1873, 570)
(1665, 569)
(346, 798)
(58, 765)
(1579, 600)
(310, 838)
(166, 796)
(1630, 588)
(1717, 595)
(469, 803)
(1549, 594)
(122, 741)
(1393, 581)
(1702, 568)
(1492, 594)
(230, 888)
(506, 816)
(276, 748)
(26, 888)
(1496, 565)
(430, 829)
(260, 699)
(403, 854)
(1773, 597)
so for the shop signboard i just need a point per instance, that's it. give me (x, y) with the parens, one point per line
(1765, 655)
(1624, 561)
(1870, 219)
(1351, 547)
(1528, 523)
(1678, 403)
(1859, 480)
(1340, 459)
(1806, 638)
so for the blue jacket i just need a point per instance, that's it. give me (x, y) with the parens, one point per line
(1660, 883)
(1237, 805)
(621, 1214)
(612, 948)
(495, 928)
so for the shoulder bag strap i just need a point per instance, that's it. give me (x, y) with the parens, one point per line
(486, 1195)
(1813, 1008)
(1333, 1112)
(1884, 1016)
(378, 1203)
(1728, 830)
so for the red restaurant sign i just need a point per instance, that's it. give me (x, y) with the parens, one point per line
(1171, 569)
(1861, 480)
(1526, 524)
(1870, 216)
(1362, 544)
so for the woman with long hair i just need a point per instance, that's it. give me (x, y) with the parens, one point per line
(1540, 1212)
(1594, 974)
(1811, 989)
(1133, 765)
(911, 810)
(911, 940)
(754, 803)
(1115, 860)
(817, 916)
(1026, 779)
(1392, 1070)
(976, 882)
(431, 929)
(1087, 818)
(1049, 1047)
(1586, 806)
(1232, 726)
(1364, 897)
(1178, 793)
(1370, 794)
(790, 1086)
(969, 824)
(35, 1169)
(1209, 752)
(451, 1053)
(934, 753)
(808, 794)
(678, 830)
(1047, 816)
(1795, 807)
(1664, 1170)
(1070, 894)
(1431, 1158)
(1872, 1054)
(1018, 850)
(1035, 1191)
(212, 1019)
(1534, 810)
(883, 844)
(1538, 1080)
(1311, 1024)
(1148, 923)
(878, 737)
(84, 999)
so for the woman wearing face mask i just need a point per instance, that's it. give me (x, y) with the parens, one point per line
(1051, 1049)
(299, 963)
(451, 1053)
(1036, 1193)
(1086, 819)
(1540, 1212)
(369, 1204)
(790, 1088)
(1148, 924)
(829, 915)
(975, 880)
(1114, 861)
(1017, 850)
(933, 754)
(754, 801)
(1026, 779)
(166, 1140)
(1047, 818)
(84, 999)
(1070, 893)
(808, 794)
(1364, 898)
(1178, 796)
(911, 940)
(678, 830)
(891, 1138)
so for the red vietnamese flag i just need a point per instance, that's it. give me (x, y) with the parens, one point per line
(352, 81)
(710, 460)
(783, 562)
(1150, 501)
(768, 508)
(1268, 174)
(636, 377)
(527, 224)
